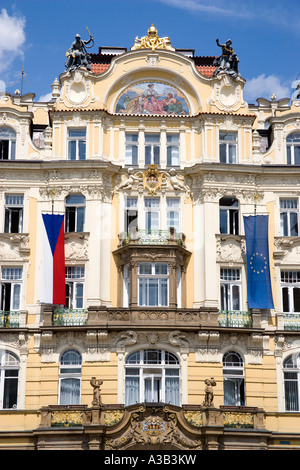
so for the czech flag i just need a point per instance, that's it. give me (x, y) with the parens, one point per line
(53, 289)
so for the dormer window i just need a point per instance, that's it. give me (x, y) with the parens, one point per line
(293, 149)
(7, 143)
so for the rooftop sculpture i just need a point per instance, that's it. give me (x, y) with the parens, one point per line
(228, 61)
(77, 55)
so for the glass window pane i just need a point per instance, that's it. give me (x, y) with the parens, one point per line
(77, 133)
(294, 224)
(285, 299)
(296, 297)
(223, 153)
(72, 149)
(297, 154)
(235, 298)
(81, 150)
(10, 393)
(70, 391)
(284, 224)
(80, 219)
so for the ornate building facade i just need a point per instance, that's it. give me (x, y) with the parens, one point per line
(153, 157)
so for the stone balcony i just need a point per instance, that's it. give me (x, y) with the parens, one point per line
(188, 318)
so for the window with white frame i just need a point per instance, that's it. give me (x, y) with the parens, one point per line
(289, 217)
(13, 218)
(230, 280)
(152, 376)
(173, 149)
(291, 375)
(233, 379)
(173, 213)
(11, 283)
(9, 379)
(153, 284)
(152, 149)
(7, 143)
(229, 215)
(70, 378)
(131, 149)
(228, 147)
(74, 286)
(131, 214)
(76, 144)
(75, 213)
(293, 149)
(290, 288)
(152, 213)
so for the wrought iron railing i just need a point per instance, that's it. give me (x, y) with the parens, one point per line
(9, 319)
(235, 318)
(69, 317)
(291, 321)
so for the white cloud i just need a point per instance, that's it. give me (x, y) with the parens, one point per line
(45, 98)
(12, 38)
(263, 87)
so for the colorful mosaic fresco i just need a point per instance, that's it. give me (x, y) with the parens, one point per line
(152, 98)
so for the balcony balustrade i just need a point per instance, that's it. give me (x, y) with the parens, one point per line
(69, 317)
(10, 319)
(152, 237)
(235, 319)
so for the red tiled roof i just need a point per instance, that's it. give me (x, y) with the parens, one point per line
(99, 68)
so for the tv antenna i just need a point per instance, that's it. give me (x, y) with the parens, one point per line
(22, 76)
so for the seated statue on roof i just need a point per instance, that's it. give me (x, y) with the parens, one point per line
(77, 55)
(227, 61)
(152, 41)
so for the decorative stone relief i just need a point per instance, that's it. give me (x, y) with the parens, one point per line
(76, 246)
(152, 180)
(14, 246)
(230, 249)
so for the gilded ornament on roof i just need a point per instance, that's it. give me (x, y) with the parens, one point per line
(152, 41)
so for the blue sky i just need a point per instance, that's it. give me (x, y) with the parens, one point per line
(265, 35)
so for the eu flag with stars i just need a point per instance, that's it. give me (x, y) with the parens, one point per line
(258, 268)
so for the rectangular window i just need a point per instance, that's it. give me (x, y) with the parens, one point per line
(11, 281)
(230, 289)
(74, 286)
(173, 213)
(152, 149)
(229, 216)
(228, 147)
(77, 144)
(152, 212)
(130, 214)
(75, 213)
(289, 217)
(13, 222)
(290, 288)
(131, 149)
(173, 150)
(153, 284)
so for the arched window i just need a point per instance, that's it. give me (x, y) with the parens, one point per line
(9, 378)
(75, 213)
(233, 379)
(293, 149)
(152, 376)
(229, 215)
(7, 143)
(70, 378)
(291, 373)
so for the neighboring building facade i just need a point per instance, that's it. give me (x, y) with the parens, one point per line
(154, 157)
